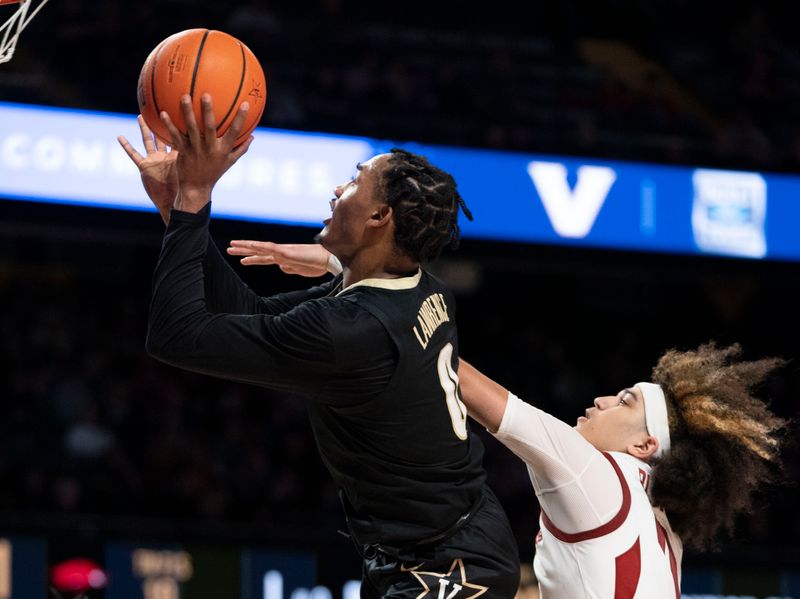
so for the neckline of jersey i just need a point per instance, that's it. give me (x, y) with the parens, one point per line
(398, 284)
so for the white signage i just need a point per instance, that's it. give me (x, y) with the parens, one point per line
(62, 155)
(729, 212)
(572, 212)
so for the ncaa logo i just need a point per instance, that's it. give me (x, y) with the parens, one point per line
(729, 212)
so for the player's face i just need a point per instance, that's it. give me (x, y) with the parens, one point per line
(615, 422)
(354, 204)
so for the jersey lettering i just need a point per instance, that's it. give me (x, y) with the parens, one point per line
(644, 478)
(432, 314)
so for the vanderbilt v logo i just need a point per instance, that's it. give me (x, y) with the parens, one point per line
(452, 584)
(571, 212)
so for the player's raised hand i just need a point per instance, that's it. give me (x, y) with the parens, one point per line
(307, 260)
(203, 157)
(157, 168)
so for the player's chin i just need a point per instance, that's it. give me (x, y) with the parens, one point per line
(323, 237)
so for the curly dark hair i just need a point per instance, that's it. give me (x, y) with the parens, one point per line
(725, 442)
(425, 201)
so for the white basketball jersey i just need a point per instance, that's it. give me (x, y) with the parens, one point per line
(633, 556)
(609, 542)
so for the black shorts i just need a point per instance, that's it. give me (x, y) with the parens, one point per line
(480, 560)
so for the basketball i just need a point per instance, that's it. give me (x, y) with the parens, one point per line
(196, 61)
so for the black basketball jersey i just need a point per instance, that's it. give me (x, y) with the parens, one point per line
(405, 460)
(378, 362)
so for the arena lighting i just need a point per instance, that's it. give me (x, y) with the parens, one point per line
(72, 157)
(77, 575)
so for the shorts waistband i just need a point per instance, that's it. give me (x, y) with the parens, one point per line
(411, 550)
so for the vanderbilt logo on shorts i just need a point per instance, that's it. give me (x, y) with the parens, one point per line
(450, 585)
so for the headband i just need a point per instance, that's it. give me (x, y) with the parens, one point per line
(655, 415)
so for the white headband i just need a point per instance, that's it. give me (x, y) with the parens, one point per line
(655, 415)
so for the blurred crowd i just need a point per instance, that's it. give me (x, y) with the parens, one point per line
(93, 425)
(677, 81)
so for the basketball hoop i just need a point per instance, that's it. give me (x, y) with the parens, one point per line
(10, 30)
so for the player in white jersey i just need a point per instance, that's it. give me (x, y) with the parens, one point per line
(599, 536)
(644, 472)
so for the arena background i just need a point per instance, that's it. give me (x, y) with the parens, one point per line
(106, 454)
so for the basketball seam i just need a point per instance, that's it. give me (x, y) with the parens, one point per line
(197, 62)
(153, 79)
(238, 91)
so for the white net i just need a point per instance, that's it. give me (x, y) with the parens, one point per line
(11, 29)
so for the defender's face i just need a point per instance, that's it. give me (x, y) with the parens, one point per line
(615, 422)
(354, 203)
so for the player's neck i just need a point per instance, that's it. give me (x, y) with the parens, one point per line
(372, 267)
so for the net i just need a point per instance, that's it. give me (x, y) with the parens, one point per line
(10, 30)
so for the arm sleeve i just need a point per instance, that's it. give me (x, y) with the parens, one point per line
(224, 290)
(576, 486)
(293, 350)
(226, 293)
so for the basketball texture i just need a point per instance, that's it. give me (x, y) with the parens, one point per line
(196, 61)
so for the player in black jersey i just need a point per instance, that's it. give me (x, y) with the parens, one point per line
(374, 350)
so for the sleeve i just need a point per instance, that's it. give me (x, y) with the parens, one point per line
(226, 292)
(576, 486)
(292, 350)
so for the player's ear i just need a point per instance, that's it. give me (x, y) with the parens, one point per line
(380, 216)
(643, 448)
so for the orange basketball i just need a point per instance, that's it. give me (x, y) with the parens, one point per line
(196, 61)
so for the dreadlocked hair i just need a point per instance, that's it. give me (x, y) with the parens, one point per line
(425, 202)
(725, 442)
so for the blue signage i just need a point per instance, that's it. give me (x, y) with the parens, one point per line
(155, 572)
(147, 572)
(23, 567)
(70, 156)
(285, 574)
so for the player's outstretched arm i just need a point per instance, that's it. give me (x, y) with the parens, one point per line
(306, 259)
(485, 399)
(156, 167)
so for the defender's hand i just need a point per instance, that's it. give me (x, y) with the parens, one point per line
(157, 169)
(307, 260)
